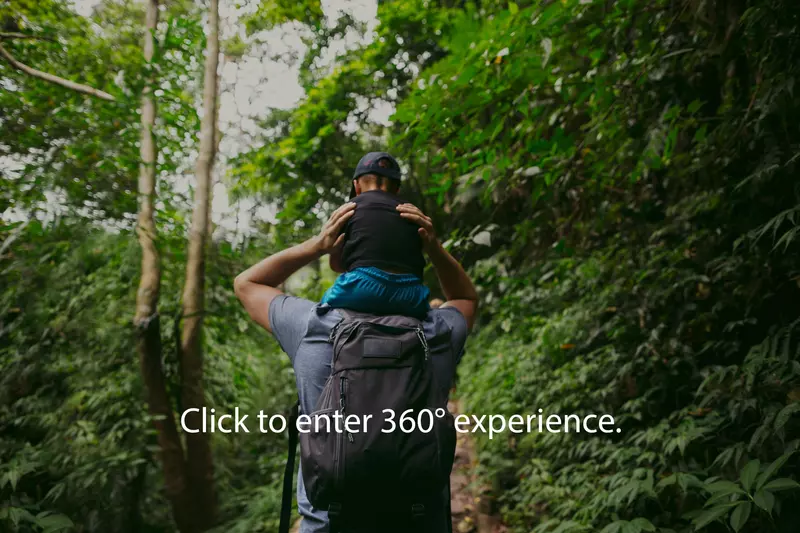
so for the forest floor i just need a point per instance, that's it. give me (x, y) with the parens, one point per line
(467, 511)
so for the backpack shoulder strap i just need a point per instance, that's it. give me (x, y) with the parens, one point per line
(288, 473)
(350, 315)
(347, 314)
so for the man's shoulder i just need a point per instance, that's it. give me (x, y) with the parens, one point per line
(300, 314)
(447, 325)
(447, 318)
(315, 318)
(298, 322)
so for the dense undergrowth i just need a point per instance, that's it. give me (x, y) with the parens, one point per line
(77, 447)
(696, 359)
(655, 279)
(619, 178)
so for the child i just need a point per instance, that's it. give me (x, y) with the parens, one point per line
(381, 257)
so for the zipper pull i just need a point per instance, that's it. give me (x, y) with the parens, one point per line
(342, 389)
(422, 340)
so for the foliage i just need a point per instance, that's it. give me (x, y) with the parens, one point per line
(308, 158)
(618, 175)
(272, 13)
(77, 445)
(648, 146)
(83, 151)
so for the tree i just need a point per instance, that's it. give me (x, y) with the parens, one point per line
(200, 469)
(146, 319)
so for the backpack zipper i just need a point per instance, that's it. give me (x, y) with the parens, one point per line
(342, 402)
(338, 452)
(422, 340)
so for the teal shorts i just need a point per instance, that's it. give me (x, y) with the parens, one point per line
(372, 290)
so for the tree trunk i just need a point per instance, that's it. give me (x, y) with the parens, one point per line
(131, 520)
(146, 320)
(200, 469)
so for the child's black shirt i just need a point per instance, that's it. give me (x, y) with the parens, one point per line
(377, 236)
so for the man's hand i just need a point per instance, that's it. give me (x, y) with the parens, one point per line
(456, 285)
(413, 213)
(257, 286)
(331, 235)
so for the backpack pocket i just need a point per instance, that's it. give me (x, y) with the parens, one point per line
(320, 449)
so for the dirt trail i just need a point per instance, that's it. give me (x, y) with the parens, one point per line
(468, 512)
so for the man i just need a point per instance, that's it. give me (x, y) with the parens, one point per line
(302, 327)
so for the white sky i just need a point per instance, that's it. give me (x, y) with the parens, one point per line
(264, 79)
(267, 78)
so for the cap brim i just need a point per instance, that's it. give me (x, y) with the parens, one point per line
(352, 191)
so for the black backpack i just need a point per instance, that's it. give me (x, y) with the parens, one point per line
(372, 478)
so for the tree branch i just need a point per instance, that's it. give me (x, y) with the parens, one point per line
(16, 35)
(78, 87)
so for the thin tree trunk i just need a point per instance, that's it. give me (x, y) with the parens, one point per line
(146, 320)
(214, 178)
(199, 460)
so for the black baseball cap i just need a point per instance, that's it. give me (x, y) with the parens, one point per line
(380, 163)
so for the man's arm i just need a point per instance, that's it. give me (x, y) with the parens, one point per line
(456, 285)
(459, 292)
(256, 287)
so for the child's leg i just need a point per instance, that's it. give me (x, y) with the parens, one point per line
(371, 290)
(355, 291)
(407, 297)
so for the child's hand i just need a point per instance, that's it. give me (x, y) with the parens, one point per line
(331, 235)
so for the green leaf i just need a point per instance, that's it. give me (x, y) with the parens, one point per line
(781, 484)
(18, 514)
(771, 469)
(724, 487)
(569, 527)
(13, 477)
(722, 498)
(706, 517)
(629, 527)
(748, 474)
(667, 481)
(694, 106)
(614, 527)
(644, 524)
(54, 522)
(700, 134)
(764, 499)
(740, 515)
(513, 8)
(785, 414)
